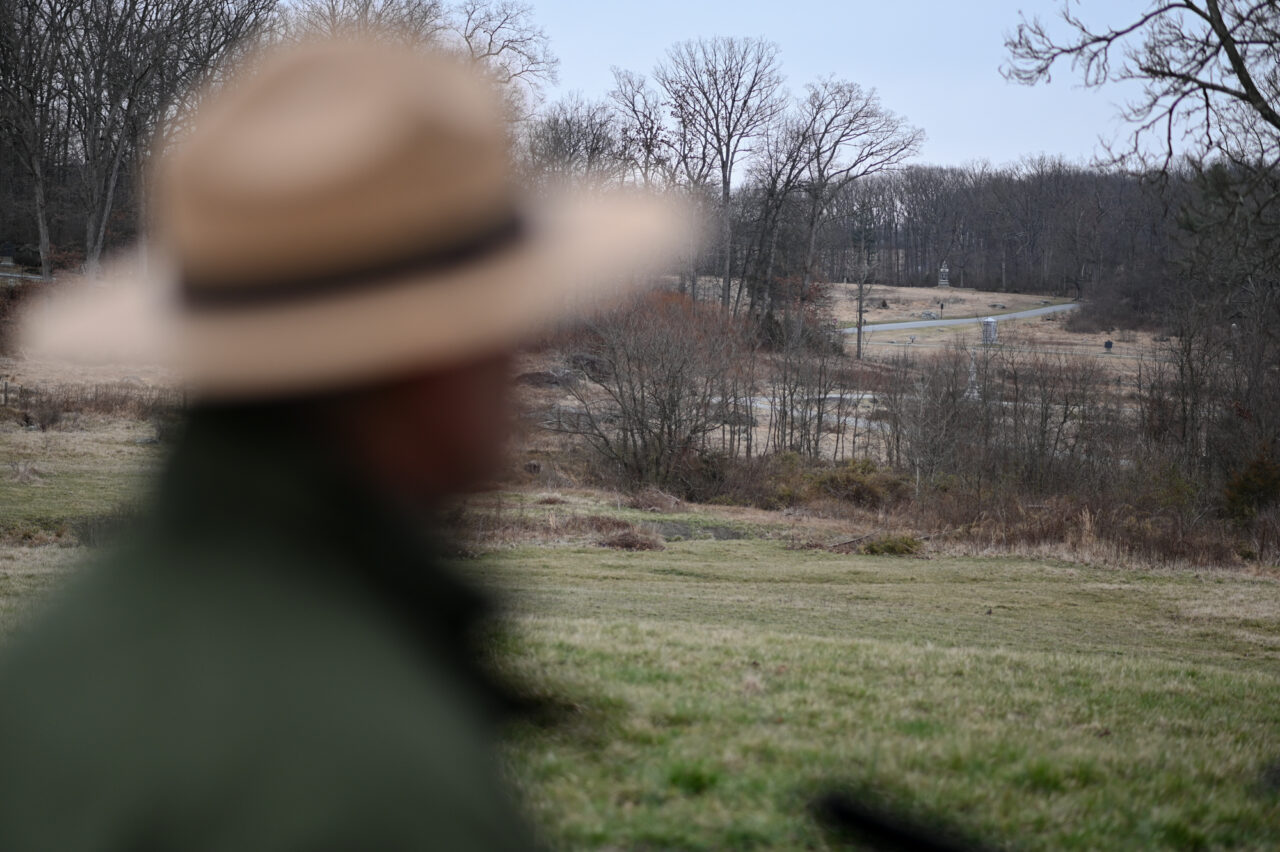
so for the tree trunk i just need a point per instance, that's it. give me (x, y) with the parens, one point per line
(862, 296)
(806, 275)
(42, 219)
(93, 245)
(726, 233)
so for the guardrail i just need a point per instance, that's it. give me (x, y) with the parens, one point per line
(20, 276)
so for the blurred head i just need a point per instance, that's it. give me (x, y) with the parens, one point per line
(426, 435)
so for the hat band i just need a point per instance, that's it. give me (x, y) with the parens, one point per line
(274, 291)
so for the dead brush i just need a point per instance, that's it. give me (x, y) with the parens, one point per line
(654, 500)
(633, 539)
(33, 532)
(43, 411)
(1069, 527)
(596, 525)
(50, 406)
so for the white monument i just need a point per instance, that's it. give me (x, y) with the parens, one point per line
(944, 275)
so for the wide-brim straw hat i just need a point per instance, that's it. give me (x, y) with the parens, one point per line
(342, 212)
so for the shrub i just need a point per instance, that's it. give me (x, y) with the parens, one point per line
(27, 256)
(1254, 487)
(893, 545)
(27, 472)
(44, 413)
(633, 540)
(860, 482)
(658, 378)
(774, 482)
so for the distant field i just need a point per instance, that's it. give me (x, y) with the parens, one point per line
(907, 303)
(1044, 334)
(1034, 705)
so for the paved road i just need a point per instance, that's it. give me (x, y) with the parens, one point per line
(938, 323)
(18, 276)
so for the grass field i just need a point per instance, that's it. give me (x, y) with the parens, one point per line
(719, 684)
(714, 687)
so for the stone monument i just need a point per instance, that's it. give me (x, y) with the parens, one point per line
(944, 275)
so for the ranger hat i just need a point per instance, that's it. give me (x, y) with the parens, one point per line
(343, 211)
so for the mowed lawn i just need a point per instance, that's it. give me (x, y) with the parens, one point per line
(717, 686)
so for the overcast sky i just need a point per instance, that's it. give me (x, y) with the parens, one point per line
(936, 62)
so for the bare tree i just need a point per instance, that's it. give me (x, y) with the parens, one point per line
(808, 399)
(95, 77)
(89, 89)
(662, 153)
(723, 91)
(577, 140)
(643, 129)
(502, 37)
(1209, 71)
(1210, 76)
(862, 292)
(849, 135)
(124, 62)
(32, 110)
(661, 377)
(416, 21)
(776, 173)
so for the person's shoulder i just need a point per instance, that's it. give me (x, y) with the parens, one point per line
(384, 763)
(173, 677)
(158, 648)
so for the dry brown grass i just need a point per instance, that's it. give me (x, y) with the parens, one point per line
(33, 372)
(1046, 334)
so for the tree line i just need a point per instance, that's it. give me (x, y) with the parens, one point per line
(802, 189)
(89, 89)
(796, 187)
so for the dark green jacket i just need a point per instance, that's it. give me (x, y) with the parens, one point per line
(272, 662)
